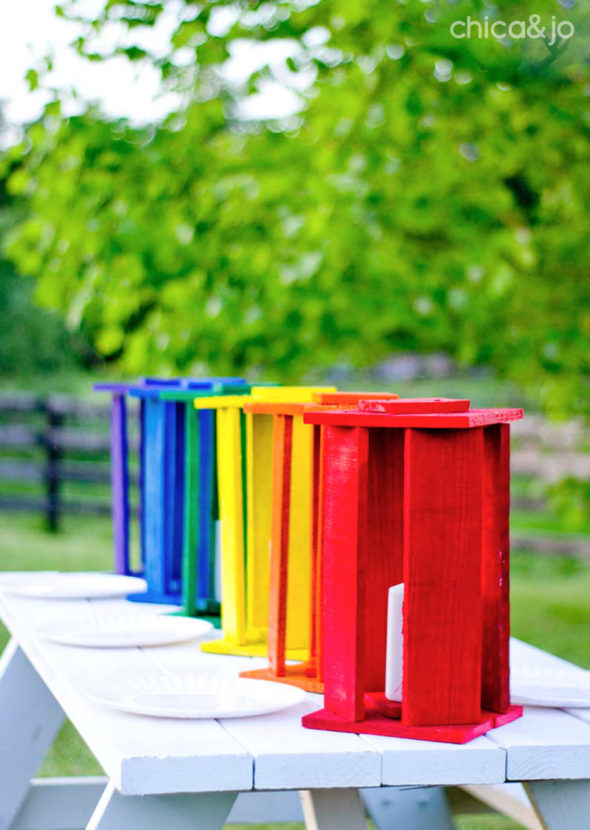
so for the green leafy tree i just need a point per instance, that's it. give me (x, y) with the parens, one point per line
(431, 193)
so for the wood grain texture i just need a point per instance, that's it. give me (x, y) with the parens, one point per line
(30, 718)
(299, 563)
(259, 488)
(452, 420)
(182, 811)
(268, 752)
(279, 544)
(545, 744)
(341, 398)
(496, 569)
(346, 452)
(561, 805)
(442, 577)
(404, 406)
(231, 513)
(381, 549)
(333, 810)
(120, 483)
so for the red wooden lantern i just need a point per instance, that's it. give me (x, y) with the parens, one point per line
(416, 492)
(307, 674)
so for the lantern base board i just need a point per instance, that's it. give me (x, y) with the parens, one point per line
(214, 619)
(295, 675)
(156, 598)
(255, 648)
(375, 723)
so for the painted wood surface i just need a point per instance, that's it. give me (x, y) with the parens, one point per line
(333, 810)
(246, 521)
(29, 720)
(495, 667)
(271, 752)
(442, 601)
(259, 486)
(120, 484)
(279, 543)
(453, 420)
(207, 811)
(561, 805)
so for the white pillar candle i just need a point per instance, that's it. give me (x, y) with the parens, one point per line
(394, 667)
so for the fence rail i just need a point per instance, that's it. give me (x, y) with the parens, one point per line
(48, 444)
(52, 445)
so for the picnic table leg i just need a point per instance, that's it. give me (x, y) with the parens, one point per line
(561, 805)
(333, 810)
(29, 720)
(183, 811)
(410, 808)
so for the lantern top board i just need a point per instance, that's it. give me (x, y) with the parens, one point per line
(352, 398)
(419, 498)
(423, 413)
(244, 450)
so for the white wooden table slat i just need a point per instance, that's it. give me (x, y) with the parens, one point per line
(142, 756)
(151, 756)
(285, 754)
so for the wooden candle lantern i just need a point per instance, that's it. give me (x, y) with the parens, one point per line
(162, 484)
(244, 449)
(200, 503)
(120, 501)
(416, 492)
(295, 573)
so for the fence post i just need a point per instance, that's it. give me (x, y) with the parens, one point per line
(54, 420)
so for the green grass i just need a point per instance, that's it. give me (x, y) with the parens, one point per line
(550, 609)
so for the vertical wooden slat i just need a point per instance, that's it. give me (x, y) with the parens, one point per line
(279, 545)
(496, 569)
(442, 576)
(344, 523)
(120, 483)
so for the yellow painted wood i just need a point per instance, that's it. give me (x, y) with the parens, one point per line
(245, 565)
(259, 430)
(231, 511)
(259, 495)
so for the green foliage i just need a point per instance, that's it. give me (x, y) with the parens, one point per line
(431, 194)
(32, 340)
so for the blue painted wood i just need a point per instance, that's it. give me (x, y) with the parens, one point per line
(162, 454)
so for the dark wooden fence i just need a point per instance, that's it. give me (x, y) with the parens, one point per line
(54, 459)
(54, 456)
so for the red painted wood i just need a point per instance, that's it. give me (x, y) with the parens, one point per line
(316, 570)
(279, 545)
(375, 723)
(342, 398)
(496, 569)
(344, 509)
(442, 575)
(381, 549)
(452, 420)
(413, 405)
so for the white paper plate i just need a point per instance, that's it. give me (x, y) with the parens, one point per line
(543, 686)
(195, 696)
(76, 586)
(124, 630)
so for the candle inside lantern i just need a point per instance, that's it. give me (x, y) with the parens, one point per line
(395, 643)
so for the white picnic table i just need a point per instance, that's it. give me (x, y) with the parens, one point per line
(162, 773)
